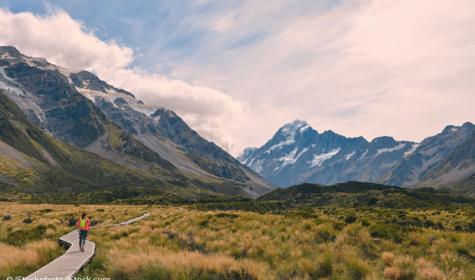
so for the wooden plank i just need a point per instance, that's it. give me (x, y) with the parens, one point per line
(67, 265)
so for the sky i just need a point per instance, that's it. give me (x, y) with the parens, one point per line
(236, 71)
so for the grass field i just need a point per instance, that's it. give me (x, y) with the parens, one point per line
(187, 243)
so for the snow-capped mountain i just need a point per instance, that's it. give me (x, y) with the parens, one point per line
(297, 153)
(82, 110)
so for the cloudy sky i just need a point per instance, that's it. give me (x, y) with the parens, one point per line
(238, 70)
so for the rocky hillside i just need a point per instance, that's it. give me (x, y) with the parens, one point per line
(34, 162)
(297, 153)
(164, 132)
(84, 111)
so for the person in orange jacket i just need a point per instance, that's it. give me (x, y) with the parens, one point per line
(83, 225)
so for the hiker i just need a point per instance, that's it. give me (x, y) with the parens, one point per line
(83, 225)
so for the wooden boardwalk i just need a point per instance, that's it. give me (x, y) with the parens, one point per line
(67, 265)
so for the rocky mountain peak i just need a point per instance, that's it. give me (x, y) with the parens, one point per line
(383, 140)
(10, 50)
(296, 126)
(87, 80)
(468, 124)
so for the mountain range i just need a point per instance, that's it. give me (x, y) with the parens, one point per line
(71, 134)
(299, 154)
(56, 124)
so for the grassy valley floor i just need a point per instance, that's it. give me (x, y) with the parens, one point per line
(304, 243)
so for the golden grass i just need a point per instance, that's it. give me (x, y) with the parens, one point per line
(31, 253)
(18, 259)
(185, 243)
(183, 263)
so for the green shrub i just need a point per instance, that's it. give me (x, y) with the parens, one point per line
(325, 233)
(204, 223)
(7, 217)
(22, 236)
(97, 263)
(72, 221)
(304, 213)
(471, 226)
(226, 215)
(324, 267)
(356, 268)
(350, 219)
(28, 220)
(386, 231)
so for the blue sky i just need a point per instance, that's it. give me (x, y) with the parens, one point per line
(238, 70)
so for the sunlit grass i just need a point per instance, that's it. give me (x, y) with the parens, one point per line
(185, 243)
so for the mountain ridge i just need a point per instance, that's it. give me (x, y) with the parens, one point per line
(307, 156)
(88, 113)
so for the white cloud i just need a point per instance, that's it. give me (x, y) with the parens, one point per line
(360, 67)
(368, 67)
(66, 42)
(62, 40)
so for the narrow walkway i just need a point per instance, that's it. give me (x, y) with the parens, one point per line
(73, 260)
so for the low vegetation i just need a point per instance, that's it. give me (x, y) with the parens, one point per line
(295, 243)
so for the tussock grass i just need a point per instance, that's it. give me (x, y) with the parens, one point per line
(20, 260)
(162, 263)
(320, 243)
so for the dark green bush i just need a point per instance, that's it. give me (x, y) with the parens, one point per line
(471, 226)
(386, 231)
(7, 217)
(350, 219)
(22, 236)
(226, 215)
(72, 221)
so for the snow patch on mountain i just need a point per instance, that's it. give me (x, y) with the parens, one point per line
(350, 155)
(111, 96)
(318, 159)
(302, 129)
(392, 149)
(292, 157)
(364, 154)
(411, 150)
(23, 98)
(287, 142)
